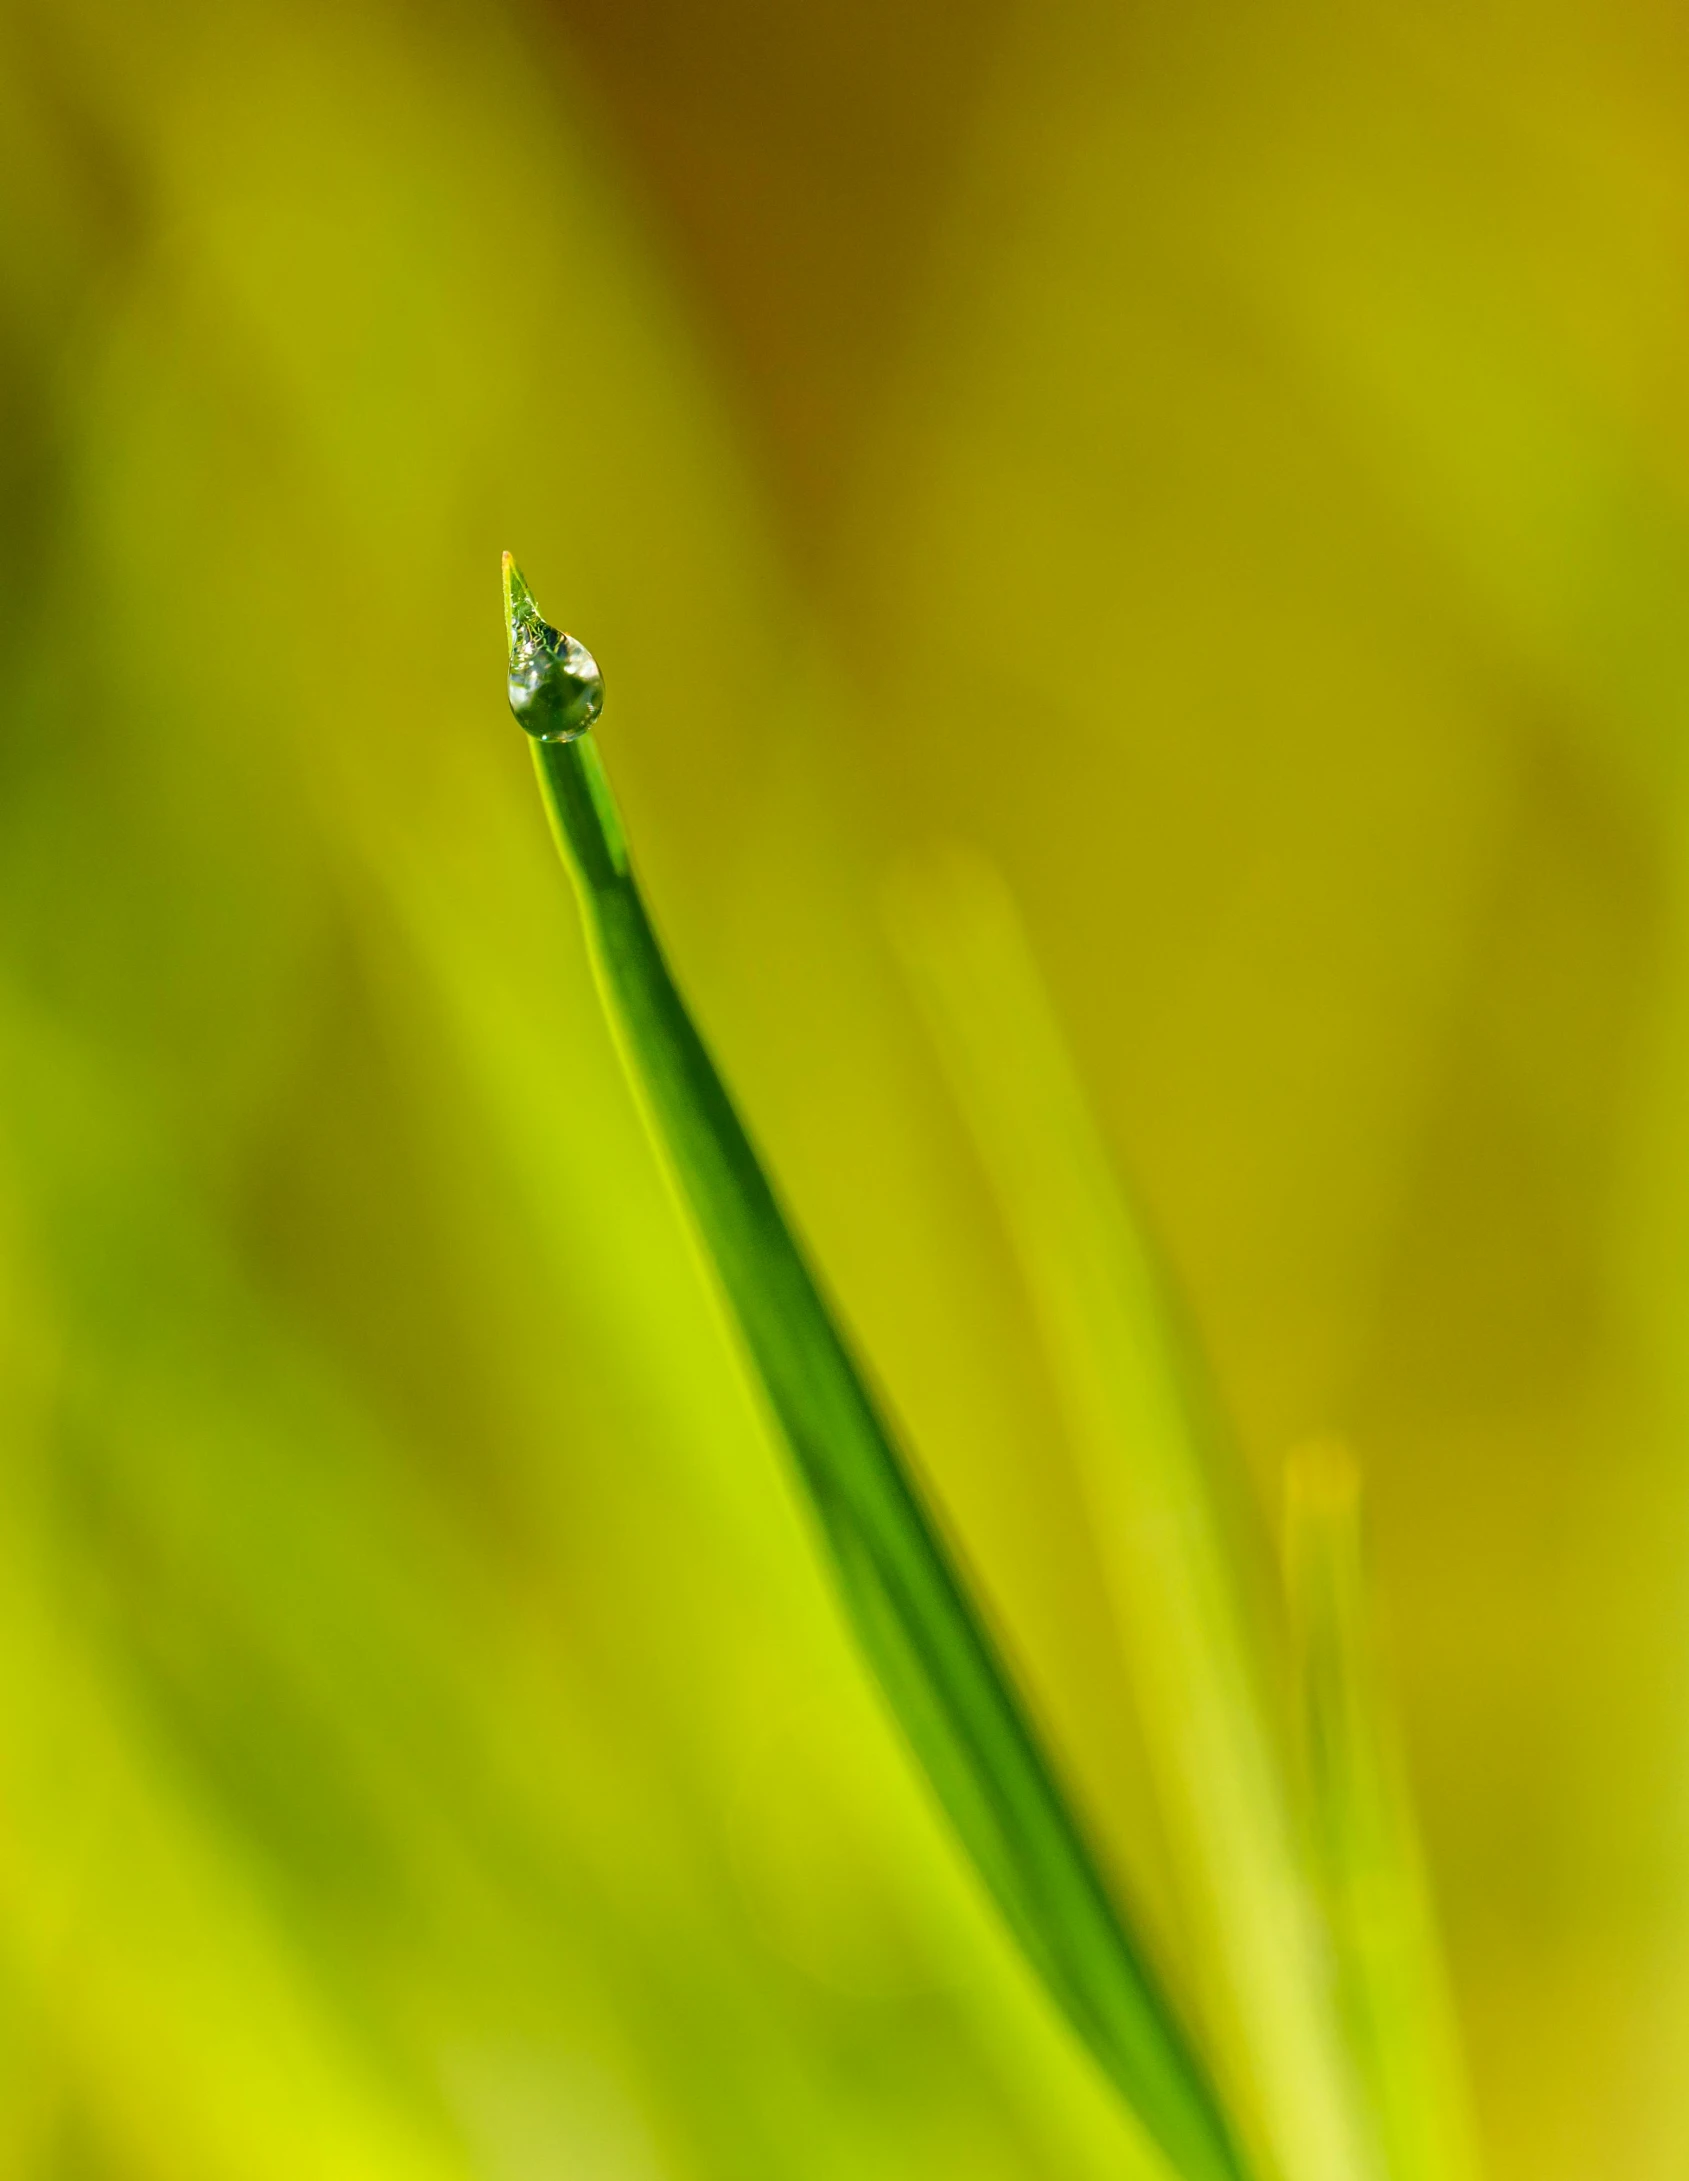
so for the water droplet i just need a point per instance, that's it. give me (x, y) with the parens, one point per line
(556, 690)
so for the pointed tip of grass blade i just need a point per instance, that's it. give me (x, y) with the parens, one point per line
(556, 689)
(524, 625)
(519, 608)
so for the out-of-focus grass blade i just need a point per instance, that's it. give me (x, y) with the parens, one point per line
(1145, 1460)
(1394, 1989)
(932, 1652)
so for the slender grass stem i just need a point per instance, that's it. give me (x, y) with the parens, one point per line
(1151, 1462)
(1395, 1987)
(935, 1659)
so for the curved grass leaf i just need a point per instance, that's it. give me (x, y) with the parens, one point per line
(1152, 1473)
(1395, 1989)
(930, 1647)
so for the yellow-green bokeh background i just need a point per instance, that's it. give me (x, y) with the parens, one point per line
(1231, 464)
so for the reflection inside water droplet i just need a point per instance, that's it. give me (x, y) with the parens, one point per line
(556, 690)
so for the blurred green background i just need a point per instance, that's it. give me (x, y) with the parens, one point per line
(1229, 464)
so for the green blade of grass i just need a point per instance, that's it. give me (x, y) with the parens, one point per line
(1395, 1990)
(1146, 1453)
(927, 1641)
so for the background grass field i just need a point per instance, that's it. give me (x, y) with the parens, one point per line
(1228, 465)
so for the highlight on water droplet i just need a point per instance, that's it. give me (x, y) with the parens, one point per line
(556, 690)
